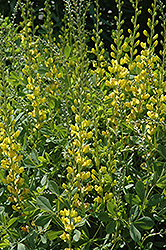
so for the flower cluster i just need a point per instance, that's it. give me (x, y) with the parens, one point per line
(70, 219)
(11, 159)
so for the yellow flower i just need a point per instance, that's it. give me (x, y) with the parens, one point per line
(152, 99)
(65, 236)
(85, 149)
(98, 199)
(89, 135)
(69, 170)
(103, 169)
(69, 228)
(149, 106)
(36, 91)
(73, 109)
(77, 118)
(152, 114)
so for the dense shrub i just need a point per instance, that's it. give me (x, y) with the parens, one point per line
(82, 133)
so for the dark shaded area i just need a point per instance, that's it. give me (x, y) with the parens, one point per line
(107, 8)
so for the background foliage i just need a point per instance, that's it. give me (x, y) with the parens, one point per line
(107, 23)
(82, 130)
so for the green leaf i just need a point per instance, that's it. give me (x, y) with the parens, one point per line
(1, 174)
(35, 156)
(86, 246)
(158, 218)
(162, 182)
(42, 70)
(163, 211)
(1, 191)
(52, 235)
(77, 235)
(4, 244)
(2, 209)
(108, 101)
(42, 159)
(43, 203)
(74, 191)
(132, 199)
(53, 187)
(134, 212)
(43, 238)
(148, 246)
(43, 220)
(67, 51)
(51, 103)
(21, 246)
(162, 150)
(140, 190)
(110, 227)
(103, 216)
(134, 233)
(111, 208)
(12, 221)
(155, 199)
(107, 178)
(144, 223)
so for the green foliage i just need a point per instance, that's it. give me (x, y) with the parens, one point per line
(82, 133)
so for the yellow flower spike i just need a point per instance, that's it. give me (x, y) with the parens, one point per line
(3, 146)
(88, 175)
(70, 170)
(98, 199)
(77, 219)
(10, 189)
(86, 109)
(145, 96)
(16, 134)
(19, 180)
(113, 48)
(77, 143)
(11, 154)
(69, 228)
(68, 176)
(103, 169)
(94, 178)
(143, 45)
(85, 149)
(30, 97)
(124, 46)
(77, 118)
(87, 163)
(73, 213)
(34, 103)
(2, 125)
(145, 33)
(155, 43)
(12, 199)
(36, 91)
(21, 170)
(64, 186)
(152, 99)
(152, 114)
(15, 208)
(108, 196)
(94, 172)
(65, 237)
(73, 109)
(112, 54)
(93, 51)
(149, 106)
